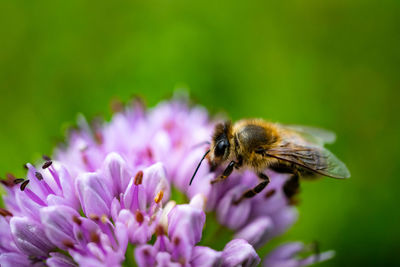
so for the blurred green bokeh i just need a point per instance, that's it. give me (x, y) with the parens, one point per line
(333, 64)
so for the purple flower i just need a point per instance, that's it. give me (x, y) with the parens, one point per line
(110, 195)
(286, 256)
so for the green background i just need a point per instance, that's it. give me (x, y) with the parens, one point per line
(333, 64)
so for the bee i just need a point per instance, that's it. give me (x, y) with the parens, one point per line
(257, 145)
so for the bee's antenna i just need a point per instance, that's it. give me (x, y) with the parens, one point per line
(201, 144)
(198, 166)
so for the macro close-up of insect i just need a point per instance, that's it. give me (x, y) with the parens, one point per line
(257, 145)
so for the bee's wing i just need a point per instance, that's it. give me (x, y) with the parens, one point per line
(313, 158)
(313, 135)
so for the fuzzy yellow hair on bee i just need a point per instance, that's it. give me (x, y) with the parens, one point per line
(257, 145)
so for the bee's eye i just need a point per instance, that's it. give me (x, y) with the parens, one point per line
(220, 148)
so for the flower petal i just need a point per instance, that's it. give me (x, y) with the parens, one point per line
(29, 237)
(231, 215)
(154, 180)
(286, 256)
(116, 171)
(94, 194)
(257, 232)
(239, 253)
(14, 259)
(59, 260)
(58, 224)
(145, 256)
(205, 257)
(188, 221)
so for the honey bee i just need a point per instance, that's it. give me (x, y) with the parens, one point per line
(257, 144)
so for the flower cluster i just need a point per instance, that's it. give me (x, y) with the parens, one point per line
(107, 197)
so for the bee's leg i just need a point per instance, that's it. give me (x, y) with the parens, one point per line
(291, 187)
(239, 162)
(254, 191)
(225, 174)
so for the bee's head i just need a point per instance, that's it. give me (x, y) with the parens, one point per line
(220, 147)
(220, 144)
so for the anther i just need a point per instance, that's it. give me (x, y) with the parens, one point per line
(94, 237)
(39, 176)
(177, 240)
(68, 243)
(104, 218)
(25, 166)
(98, 137)
(7, 183)
(76, 220)
(24, 184)
(94, 217)
(18, 180)
(10, 176)
(159, 196)
(79, 236)
(159, 230)
(146, 252)
(270, 193)
(116, 105)
(139, 178)
(47, 164)
(5, 213)
(139, 217)
(45, 157)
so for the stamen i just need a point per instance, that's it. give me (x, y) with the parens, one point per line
(159, 230)
(94, 217)
(5, 213)
(139, 178)
(159, 196)
(146, 252)
(104, 218)
(68, 243)
(18, 180)
(139, 217)
(47, 164)
(94, 237)
(34, 259)
(270, 193)
(98, 137)
(7, 183)
(79, 235)
(116, 105)
(39, 176)
(10, 176)
(76, 220)
(177, 240)
(25, 166)
(46, 158)
(23, 185)
(149, 152)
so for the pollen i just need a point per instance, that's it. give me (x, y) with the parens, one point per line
(5, 213)
(68, 243)
(47, 164)
(139, 217)
(39, 176)
(77, 220)
(270, 193)
(104, 218)
(94, 217)
(94, 237)
(139, 178)
(159, 196)
(24, 184)
(159, 230)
